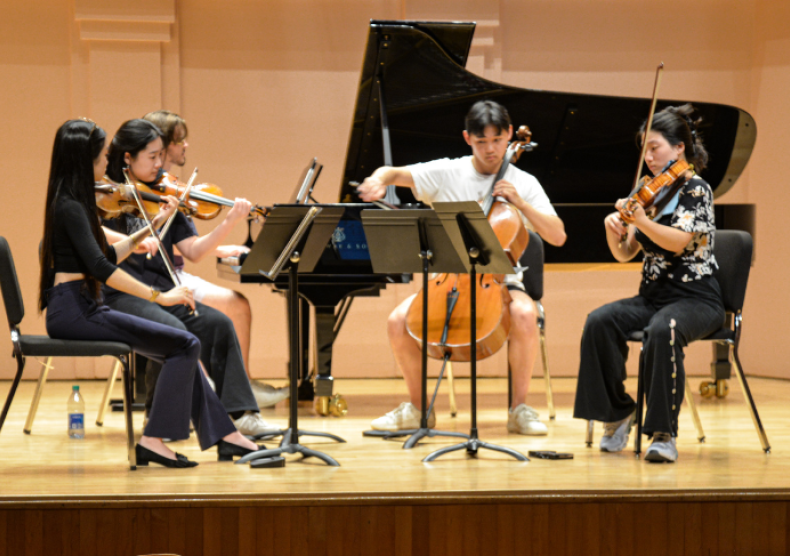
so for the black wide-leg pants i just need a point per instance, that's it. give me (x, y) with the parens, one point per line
(182, 391)
(670, 320)
(220, 351)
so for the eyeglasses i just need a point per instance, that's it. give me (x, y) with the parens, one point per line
(180, 143)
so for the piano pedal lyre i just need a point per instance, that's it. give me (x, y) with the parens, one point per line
(718, 388)
(335, 405)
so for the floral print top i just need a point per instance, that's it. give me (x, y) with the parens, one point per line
(694, 213)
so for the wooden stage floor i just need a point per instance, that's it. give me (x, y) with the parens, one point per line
(47, 470)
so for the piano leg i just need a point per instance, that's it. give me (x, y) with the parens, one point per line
(324, 339)
(306, 391)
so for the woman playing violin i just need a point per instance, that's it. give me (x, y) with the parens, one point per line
(488, 130)
(138, 146)
(76, 258)
(679, 299)
(230, 302)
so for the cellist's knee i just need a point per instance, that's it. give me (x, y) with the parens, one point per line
(523, 314)
(396, 323)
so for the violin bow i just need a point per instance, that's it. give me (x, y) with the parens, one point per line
(648, 126)
(151, 229)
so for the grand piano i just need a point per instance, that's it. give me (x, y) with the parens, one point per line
(413, 95)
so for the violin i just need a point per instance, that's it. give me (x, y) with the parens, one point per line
(114, 199)
(205, 200)
(663, 186)
(449, 294)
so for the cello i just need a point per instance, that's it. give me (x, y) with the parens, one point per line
(449, 320)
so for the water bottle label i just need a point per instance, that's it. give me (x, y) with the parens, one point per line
(76, 421)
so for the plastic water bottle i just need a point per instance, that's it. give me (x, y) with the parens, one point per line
(76, 410)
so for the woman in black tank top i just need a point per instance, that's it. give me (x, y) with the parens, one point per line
(76, 259)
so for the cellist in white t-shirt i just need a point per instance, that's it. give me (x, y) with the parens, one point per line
(488, 132)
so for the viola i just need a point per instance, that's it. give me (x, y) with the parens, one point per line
(449, 330)
(663, 186)
(205, 200)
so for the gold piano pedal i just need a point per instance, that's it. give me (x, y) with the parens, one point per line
(718, 388)
(335, 405)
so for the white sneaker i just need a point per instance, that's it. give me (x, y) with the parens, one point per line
(267, 395)
(405, 416)
(524, 420)
(252, 424)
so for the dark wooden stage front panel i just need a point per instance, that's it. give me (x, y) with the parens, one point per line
(752, 524)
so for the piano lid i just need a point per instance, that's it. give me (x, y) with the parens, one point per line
(587, 148)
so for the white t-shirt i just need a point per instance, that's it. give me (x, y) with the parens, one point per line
(456, 179)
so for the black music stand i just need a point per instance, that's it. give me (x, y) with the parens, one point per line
(393, 237)
(293, 237)
(471, 234)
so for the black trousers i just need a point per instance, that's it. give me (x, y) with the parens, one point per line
(182, 392)
(220, 351)
(670, 320)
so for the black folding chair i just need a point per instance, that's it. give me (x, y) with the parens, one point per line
(532, 263)
(733, 251)
(44, 346)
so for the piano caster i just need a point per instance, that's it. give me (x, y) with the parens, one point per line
(336, 406)
(718, 388)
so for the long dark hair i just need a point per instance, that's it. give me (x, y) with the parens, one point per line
(131, 137)
(680, 124)
(78, 143)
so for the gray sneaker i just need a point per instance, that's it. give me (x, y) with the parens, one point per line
(615, 435)
(663, 449)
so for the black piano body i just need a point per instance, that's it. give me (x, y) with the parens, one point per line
(414, 93)
(412, 98)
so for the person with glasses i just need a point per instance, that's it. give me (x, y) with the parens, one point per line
(230, 302)
(76, 260)
(138, 147)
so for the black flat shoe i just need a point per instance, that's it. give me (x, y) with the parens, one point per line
(146, 456)
(226, 450)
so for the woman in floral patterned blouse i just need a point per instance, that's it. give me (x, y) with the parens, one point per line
(679, 299)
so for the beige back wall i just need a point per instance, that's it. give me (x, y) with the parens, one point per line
(265, 86)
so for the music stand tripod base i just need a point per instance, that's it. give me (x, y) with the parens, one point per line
(415, 434)
(471, 446)
(286, 434)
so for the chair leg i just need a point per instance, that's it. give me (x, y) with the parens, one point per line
(127, 361)
(451, 384)
(546, 375)
(640, 396)
(589, 436)
(20, 366)
(42, 379)
(694, 414)
(107, 393)
(747, 393)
